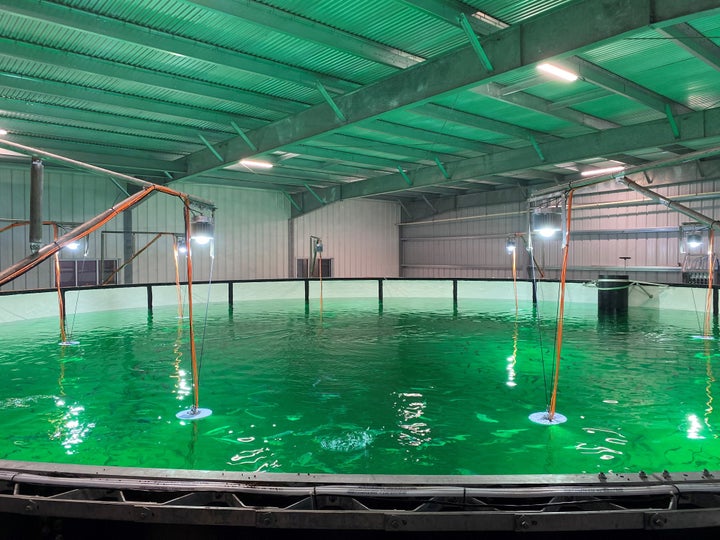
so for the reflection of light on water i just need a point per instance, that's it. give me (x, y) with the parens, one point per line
(70, 428)
(256, 456)
(511, 371)
(694, 427)
(606, 452)
(513, 357)
(416, 432)
(182, 387)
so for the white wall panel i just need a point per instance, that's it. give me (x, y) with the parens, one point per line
(360, 236)
(602, 232)
(68, 197)
(251, 238)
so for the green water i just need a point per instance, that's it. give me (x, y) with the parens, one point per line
(414, 388)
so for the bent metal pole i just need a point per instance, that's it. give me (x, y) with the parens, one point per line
(680, 208)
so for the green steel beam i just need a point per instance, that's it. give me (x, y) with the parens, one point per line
(536, 146)
(694, 127)
(621, 86)
(299, 27)
(180, 85)
(329, 100)
(447, 114)
(434, 137)
(242, 134)
(517, 47)
(315, 195)
(475, 42)
(100, 120)
(384, 148)
(171, 44)
(443, 170)
(450, 10)
(694, 42)
(281, 174)
(135, 161)
(210, 146)
(292, 201)
(404, 175)
(373, 162)
(78, 133)
(537, 104)
(130, 105)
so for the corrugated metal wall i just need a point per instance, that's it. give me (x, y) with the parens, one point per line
(68, 197)
(251, 235)
(360, 236)
(609, 223)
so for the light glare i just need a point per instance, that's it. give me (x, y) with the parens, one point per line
(558, 72)
(256, 164)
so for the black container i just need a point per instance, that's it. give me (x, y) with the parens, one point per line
(612, 295)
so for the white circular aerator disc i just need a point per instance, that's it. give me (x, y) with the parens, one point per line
(543, 418)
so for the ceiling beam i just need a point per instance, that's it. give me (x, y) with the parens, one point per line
(56, 114)
(103, 156)
(538, 39)
(624, 87)
(170, 112)
(432, 137)
(534, 103)
(450, 11)
(383, 149)
(107, 137)
(693, 42)
(696, 126)
(252, 102)
(128, 32)
(294, 25)
(480, 122)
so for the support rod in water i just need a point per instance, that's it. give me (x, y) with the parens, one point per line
(561, 310)
(195, 412)
(36, 193)
(551, 416)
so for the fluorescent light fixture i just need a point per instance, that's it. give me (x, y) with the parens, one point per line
(256, 164)
(559, 72)
(73, 245)
(3, 132)
(597, 172)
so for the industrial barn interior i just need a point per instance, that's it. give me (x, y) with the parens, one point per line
(380, 142)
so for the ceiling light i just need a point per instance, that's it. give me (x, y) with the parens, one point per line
(546, 221)
(558, 72)
(256, 164)
(201, 229)
(694, 240)
(3, 132)
(596, 172)
(510, 244)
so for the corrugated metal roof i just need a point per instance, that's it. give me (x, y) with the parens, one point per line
(517, 10)
(153, 74)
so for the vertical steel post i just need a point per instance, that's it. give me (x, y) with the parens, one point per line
(36, 192)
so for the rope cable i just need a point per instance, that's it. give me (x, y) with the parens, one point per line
(561, 310)
(533, 264)
(711, 264)
(207, 303)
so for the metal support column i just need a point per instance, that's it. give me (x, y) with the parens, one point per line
(36, 193)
